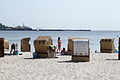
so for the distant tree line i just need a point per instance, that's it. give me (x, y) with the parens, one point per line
(3, 27)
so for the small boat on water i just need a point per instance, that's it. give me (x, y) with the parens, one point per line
(37, 29)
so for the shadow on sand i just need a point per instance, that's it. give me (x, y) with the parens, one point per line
(8, 54)
(31, 58)
(113, 59)
(70, 61)
(40, 58)
(64, 55)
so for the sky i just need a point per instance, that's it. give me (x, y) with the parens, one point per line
(62, 14)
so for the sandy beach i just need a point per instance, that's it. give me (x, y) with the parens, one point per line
(102, 66)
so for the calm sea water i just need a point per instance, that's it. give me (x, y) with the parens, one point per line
(94, 37)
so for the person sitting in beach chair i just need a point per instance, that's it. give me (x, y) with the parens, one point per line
(12, 49)
(63, 52)
(52, 47)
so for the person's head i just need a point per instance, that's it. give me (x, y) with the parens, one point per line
(13, 43)
(64, 49)
(58, 38)
(16, 44)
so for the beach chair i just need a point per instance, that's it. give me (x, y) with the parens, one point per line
(81, 50)
(42, 47)
(6, 45)
(25, 46)
(107, 45)
(1, 47)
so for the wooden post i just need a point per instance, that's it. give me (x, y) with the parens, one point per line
(119, 49)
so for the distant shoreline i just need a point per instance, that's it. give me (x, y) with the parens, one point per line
(43, 30)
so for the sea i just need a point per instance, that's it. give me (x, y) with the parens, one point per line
(93, 36)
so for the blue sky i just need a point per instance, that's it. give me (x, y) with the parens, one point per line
(68, 14)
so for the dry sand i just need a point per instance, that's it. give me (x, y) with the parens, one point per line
(23, 67)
